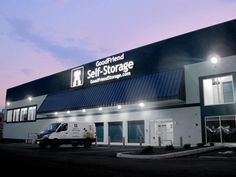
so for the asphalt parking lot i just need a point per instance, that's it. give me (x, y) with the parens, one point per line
(102, 161)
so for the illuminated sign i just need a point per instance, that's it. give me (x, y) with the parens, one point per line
(107, 69)
(110, 68)
(77, 77)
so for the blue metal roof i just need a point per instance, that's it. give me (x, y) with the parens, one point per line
(164, 85)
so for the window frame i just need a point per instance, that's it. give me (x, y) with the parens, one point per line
(218, 76)
(19, 121)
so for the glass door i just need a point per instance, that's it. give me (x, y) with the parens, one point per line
(213, 133)
(228, 129)
(221, 129)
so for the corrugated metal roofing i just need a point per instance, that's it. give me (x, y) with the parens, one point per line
(164, 85)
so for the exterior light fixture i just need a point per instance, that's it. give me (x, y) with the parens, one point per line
(55, 113)
(214, 59)
(141, 104)
(8, 103)
(119, 107)
(30, 98)
(68, 112)
(100, 109)
(83, 110)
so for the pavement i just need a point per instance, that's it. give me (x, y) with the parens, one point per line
(28, 159)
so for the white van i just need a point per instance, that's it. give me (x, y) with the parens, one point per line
(74, 133)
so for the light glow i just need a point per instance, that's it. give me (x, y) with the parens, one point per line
(119, 107)
(55, 113)
(83, 110)
(141, 104)
(68, 112)
(30, 98)
(100, 109)
(214, 59)
(8, 103)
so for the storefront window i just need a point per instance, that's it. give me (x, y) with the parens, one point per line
(228, 128)
(9, 115)
(218, 90)
(213, 129)
(115, 131)
(16, 115)
(23, 114)
(221, 129)
(32, 113)
(135, 131)
(99, 131)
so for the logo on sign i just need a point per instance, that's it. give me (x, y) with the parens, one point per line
(77, 77)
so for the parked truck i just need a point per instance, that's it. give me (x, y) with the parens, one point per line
(74, 133)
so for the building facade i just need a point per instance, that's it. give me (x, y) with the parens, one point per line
(167, 91)
(1, 124)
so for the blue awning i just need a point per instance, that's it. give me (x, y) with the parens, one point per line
(164, 85)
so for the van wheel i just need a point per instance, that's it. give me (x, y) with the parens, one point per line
(87, 143)
(75, 145)
(55, 144)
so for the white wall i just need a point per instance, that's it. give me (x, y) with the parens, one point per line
(194, 71)
(185, 118)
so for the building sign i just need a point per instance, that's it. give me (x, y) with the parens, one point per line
(109, 69)
(77, 77)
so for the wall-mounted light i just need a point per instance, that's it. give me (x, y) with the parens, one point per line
(30, 98)
(55, 113)
(68, 112)
(8, 103)
(214, 59)
(119, 106)
(83, 110)
(100, 109)
(141, 104)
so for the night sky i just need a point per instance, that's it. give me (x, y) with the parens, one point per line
(42, 37)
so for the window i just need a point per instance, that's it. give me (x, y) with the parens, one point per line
(115, 131)
(16, 115)
(23, 114)
(135, 131)
(63, 127)
(32, 113)
(228, 92)
(9, 115)
(218, 90)
(99, 131)
(221, 129)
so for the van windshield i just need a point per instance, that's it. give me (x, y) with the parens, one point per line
(53, 127)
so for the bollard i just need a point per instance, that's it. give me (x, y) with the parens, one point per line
(123, 140)
(140, 141)
(181, 141)
(96, 141)
(109, 141)
(159, 141)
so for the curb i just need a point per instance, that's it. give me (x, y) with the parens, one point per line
(169, 155)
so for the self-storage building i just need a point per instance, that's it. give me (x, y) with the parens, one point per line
(179, 89)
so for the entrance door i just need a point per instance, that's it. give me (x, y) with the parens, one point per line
(161, 130)
(221, 129)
